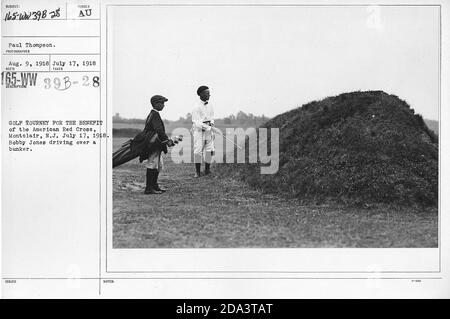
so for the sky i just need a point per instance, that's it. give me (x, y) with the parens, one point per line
(268, 60)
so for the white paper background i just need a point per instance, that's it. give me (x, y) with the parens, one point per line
(51, 226)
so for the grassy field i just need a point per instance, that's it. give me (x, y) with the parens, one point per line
(215, 212)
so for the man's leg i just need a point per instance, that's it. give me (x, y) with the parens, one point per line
(197, 169)
(198, 149)
(156, 186)
(152, 171)
(208, 158)
(155, 182)
(148, 181)
(151, 178)
(209, 151)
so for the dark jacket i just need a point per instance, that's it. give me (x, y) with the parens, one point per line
(152, 138)
(154, 123)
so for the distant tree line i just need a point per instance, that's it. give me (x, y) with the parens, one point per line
(118, 119)
(241, 118)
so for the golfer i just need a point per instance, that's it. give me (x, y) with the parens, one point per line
(202, 123)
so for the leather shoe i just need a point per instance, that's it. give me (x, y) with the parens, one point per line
(152, 191)
(157, 188)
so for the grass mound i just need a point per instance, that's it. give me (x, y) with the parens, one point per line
(357, 147)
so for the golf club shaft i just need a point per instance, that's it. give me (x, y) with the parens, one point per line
(228, 139)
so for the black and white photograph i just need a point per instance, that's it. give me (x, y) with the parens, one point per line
(275, 126)
(225, 155)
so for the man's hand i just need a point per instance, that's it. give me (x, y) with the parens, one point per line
(170, 143)
(206, 127)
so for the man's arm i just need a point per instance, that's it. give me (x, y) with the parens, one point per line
(211, 114)
(198, 122)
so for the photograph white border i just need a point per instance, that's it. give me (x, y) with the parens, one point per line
(247, 262)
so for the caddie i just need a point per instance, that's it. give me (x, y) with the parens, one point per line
(158, 143)
(202, 124)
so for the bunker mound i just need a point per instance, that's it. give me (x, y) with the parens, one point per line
(357, 147)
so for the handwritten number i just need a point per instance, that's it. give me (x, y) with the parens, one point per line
(32, 15)
(54, 14)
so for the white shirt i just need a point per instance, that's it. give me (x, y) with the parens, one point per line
(202, 112)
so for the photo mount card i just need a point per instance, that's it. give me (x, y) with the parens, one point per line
(237, 150)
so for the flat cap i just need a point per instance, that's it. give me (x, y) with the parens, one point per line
(201, 89)
(158, 98)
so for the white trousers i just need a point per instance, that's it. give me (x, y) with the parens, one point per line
(155, 161)
(203, 145)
